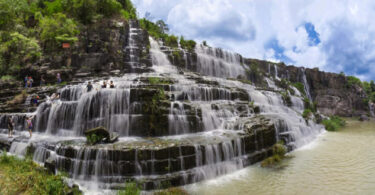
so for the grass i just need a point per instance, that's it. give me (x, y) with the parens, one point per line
(334, 123)
(23, 176)
(131, 188)
(278, 154)
(300, 87)
(7, 78)
(159, 81)
(307, 113)
(18, 99)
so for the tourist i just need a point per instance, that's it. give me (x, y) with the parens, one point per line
(42, 81)
(58, 77)
(111, 85)
(10, 126)
(26, 79)
(35, 100)
(30, 125)
(104, 85)
(89, 86)
(29, 82)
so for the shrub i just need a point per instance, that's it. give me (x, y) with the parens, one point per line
(278, 154)
(58, 29)
(334, 123)
(306, 114)
(16, 51)
(300, 87)
(7, 78)
(131, 188)
(187, 44)
(171, 41)
(352, 80)
(108, 7)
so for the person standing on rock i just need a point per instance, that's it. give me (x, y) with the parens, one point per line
(10, 127)
(104, 85)
(111, 85)
(30, 125)
(26, 80)
(58, 77)
(89, 86)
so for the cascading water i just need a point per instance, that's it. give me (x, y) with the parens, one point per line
(305, 84)
(371, 106)
(219, 63)
(175, 127)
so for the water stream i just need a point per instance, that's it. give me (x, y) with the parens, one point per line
(335, 163)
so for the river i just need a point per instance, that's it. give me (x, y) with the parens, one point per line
(340, 162)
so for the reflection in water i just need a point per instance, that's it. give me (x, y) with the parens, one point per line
(336, 163)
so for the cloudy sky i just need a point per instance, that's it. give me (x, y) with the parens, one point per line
(333, 35)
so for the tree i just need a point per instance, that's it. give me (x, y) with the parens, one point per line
(16, 52)
(372, 85)
(57, 29)
(11, 11)
(108, 7)
(84, 10)
(163, 26)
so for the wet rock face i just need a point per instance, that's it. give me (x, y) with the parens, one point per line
(178, 162)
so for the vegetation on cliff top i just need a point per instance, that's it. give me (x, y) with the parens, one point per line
(23, 176)
(30, 29)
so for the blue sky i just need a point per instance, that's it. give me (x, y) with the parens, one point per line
(333, 35)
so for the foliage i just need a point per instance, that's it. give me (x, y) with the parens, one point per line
(108, 7)
(333, 123)
(12, 12)
(176, 56)
(187, 44)
(131, 188)
(23, 176)
(162, 26)
(158, 81)
(16, 51)
(171, 41)
(278, 154)
(7, 78)
(128, 7)
(352, 80)
(300, 87)
(92, 139)
(307, 114)
(58, 29)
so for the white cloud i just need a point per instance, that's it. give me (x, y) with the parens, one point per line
(346, 29)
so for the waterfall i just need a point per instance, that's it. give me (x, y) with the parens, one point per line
(205, 126)
(218, 63)
(132, 48)
(305, 84)
(276, 72)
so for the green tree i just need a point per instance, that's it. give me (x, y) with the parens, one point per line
(11, 12)
(56, 30)
(162, 26)
(372, 86)
(108, 7)
(16, 52)
(83, 10)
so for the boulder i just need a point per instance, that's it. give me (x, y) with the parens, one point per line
(364, 118)
(50, 165)
(99, 131)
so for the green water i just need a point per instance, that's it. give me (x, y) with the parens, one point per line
(335, 163)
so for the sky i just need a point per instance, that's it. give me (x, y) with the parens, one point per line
(333, 35)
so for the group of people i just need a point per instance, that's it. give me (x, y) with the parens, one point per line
(29, 80)
(104, 85)
(11, 125)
